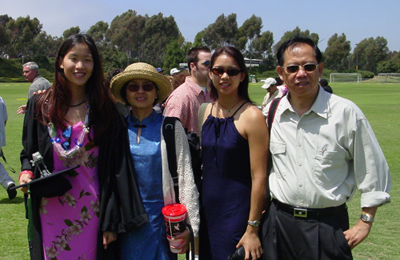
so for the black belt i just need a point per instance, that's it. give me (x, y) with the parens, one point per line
(308, 212)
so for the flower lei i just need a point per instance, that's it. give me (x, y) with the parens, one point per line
(62, 151)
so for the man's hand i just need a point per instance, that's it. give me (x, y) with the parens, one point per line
(356, 234)
(21, 110)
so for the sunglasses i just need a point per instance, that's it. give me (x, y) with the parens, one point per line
(206, 63)
(220, 71)
(309, 67)
(146, 87)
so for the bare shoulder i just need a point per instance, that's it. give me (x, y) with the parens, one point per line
(252, 114)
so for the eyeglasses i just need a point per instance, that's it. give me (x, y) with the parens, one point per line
(206, 63)
(309, 67)
(220, 71)
(146, 87)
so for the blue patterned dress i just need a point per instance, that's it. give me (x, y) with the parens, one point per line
(148, 242)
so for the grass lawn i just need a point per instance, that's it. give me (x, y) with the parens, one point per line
(379, 102)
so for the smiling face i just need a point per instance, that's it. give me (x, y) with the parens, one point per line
(77, 65)
(225, 84)
(141, 94)
(301, 84)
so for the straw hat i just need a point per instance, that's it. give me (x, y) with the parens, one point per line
(140, 70)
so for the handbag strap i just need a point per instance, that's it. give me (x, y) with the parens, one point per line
(270, 120)
(169, 137)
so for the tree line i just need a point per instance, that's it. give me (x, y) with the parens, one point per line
(157, 40)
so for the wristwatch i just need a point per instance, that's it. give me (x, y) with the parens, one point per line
(254, 223)
(367, 218)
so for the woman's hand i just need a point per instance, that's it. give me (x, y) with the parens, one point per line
(251, 243)
(186, 240)
(109, 237)
(25, 177)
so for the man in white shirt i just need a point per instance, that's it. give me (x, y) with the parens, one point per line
(271, 86)
(322, 149)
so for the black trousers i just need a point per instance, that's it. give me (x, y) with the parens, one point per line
(285, 237)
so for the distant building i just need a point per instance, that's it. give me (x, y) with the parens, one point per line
(252, 62)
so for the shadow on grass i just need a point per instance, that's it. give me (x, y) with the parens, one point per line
(16, 200)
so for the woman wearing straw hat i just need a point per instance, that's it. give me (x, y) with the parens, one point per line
(141, 87)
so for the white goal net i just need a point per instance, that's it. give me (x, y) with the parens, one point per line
(389, 77)
(345, 77)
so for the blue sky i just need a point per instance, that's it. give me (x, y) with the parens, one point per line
(358, 19)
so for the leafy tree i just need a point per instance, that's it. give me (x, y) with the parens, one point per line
(337, 52)
(22, 32)
(389, 66)
(262, 45)
(174, 55)
(369, 52)
(296, 32)
(98, 33)
(198, 40)
(222, 32)
(158, 32)
(250, 29)
(125, 32)
(71, 31)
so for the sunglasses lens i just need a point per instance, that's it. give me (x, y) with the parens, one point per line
(292, 69)
(148, 87)
(310, 67)
(133, 88)
(206, 63)
(232, 72)
(217, 71)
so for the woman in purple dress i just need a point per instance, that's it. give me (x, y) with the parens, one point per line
(234, 152)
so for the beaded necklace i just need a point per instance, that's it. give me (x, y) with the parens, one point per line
(62, 149)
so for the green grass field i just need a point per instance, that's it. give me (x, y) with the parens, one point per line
(380, 103)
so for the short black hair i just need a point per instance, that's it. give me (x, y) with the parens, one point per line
(294, 42)
(323, 82)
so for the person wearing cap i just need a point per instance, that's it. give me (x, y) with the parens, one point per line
(160, 70)
(184, 102)
(270, 85)
(323, 150)
(141, 87)
(75, 123)
(174, 71)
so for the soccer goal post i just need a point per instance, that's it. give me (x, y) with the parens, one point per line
(345, 77)
(389, 77)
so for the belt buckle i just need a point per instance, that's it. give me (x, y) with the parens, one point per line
(298, 212)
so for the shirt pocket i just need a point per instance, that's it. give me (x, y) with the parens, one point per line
(327, 169)
(278, 153)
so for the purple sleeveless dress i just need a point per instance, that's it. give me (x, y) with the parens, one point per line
(226, 187)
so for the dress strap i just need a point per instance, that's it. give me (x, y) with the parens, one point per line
(239, 108)
(212, 106)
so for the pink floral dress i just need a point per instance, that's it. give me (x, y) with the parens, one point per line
(70, 222)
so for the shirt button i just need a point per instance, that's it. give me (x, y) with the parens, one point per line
(300, 185)
(300, 164)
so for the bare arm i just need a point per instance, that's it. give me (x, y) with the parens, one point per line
(256, 131)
